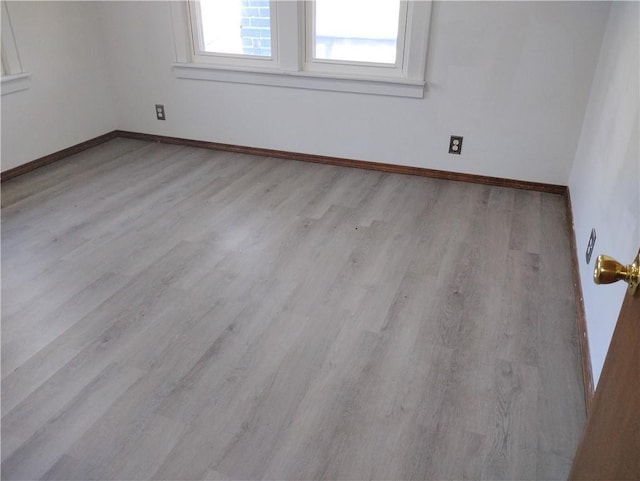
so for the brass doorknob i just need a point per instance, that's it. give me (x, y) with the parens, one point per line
(609, 270)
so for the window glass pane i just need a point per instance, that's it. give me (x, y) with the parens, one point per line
(356, 30)
(236, 26)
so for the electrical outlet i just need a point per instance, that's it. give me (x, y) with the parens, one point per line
(160, 112)
(455, 145)
(590, 244)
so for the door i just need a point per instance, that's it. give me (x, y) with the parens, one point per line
(610, 444)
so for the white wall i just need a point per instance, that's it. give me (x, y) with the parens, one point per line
(61, 45)
(512, 77)
(605, 180)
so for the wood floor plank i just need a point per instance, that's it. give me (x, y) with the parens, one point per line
(34, 216)
(527, 213)
(511, 447)
(33, 335)
(176, 313)
(44, 447)
(55, 177)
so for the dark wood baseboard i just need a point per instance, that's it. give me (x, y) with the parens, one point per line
(585, 355)
(359, 164)
(282, 154)
(61, 154)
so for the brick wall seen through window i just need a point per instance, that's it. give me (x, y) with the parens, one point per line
(255, 24)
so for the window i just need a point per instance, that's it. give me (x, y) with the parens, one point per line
(363, 37)
(225, 31)
(368, 46)
(355, 31)
(13, 78)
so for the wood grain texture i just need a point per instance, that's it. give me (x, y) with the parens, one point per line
(171, 312)
(611, 439)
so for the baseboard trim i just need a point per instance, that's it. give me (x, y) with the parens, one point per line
(342, 162)
(581, 319)
(282, 154)
(61, 154)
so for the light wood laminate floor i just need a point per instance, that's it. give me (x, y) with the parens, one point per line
(176, 313)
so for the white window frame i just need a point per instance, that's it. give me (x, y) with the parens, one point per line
(356, 68)
(13, 78)
(229, 59)
(290, 64)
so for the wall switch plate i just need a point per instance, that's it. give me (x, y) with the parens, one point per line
(160, 112)
(455, 145)
(592, 242)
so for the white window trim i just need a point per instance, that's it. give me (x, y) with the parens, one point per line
(227, 60)
(365, 69)
(289, 68)
(14, 79)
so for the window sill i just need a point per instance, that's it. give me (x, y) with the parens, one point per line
(15, 83)
(395, 87)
